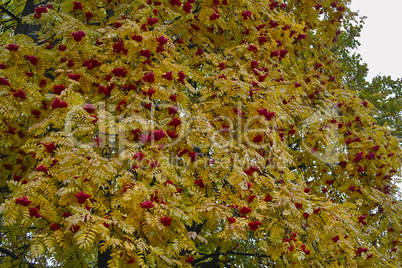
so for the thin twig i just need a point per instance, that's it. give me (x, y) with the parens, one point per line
(9, 13)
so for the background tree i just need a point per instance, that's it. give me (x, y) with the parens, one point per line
(383, 92)
(345, 46)
(204, 133)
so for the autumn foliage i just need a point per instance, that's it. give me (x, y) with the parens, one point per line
(173, 133)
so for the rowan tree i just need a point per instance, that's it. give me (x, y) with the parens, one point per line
(199, 133)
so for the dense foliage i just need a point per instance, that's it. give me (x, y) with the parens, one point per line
(200, 133)
(385, 94)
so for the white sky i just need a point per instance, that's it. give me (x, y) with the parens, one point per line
(381, 37)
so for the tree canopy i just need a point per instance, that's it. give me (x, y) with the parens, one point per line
(201, 133)
(383, 92)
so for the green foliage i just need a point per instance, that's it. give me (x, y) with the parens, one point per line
(354, 69)
(382, 91)
(386, 95)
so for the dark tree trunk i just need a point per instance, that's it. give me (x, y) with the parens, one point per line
(22, 28)
(103, 258)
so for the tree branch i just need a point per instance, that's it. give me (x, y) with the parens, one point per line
(15, 257)
(8, 12)
(45, 40)
(217, 254)
(299, 166)
(4, 189)
(247, 254)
